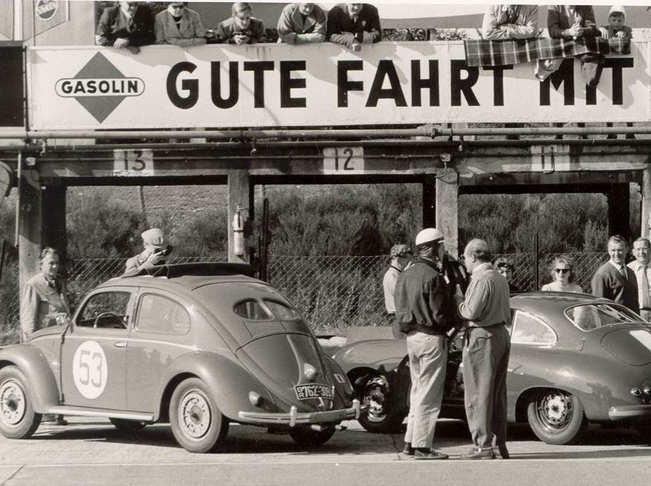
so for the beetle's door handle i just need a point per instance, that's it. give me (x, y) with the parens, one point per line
(120, 344)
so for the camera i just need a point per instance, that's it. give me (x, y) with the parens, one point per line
(164, 251)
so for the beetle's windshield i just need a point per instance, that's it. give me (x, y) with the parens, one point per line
(593, 316)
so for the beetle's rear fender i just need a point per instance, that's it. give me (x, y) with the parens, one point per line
(42, 388)
(384, 354)
(229, 383)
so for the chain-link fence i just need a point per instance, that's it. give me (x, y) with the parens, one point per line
(332, 292)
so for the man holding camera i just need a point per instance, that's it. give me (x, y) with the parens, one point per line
(154, 253)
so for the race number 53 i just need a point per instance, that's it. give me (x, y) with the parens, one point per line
(90, 369)
(133, 162)
(343, 160)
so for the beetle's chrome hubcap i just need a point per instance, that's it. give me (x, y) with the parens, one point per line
(556, 409)
(194, 414)
(12, 403)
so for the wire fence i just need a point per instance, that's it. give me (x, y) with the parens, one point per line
(332, 292)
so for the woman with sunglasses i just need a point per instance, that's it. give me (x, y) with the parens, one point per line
(563, 277)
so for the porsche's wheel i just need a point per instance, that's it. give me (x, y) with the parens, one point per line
(17, 417)
(306, 437)
(556, 417)
(196, 422)
(128, 425)
(378, 415)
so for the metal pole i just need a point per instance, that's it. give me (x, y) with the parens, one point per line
(536, 260)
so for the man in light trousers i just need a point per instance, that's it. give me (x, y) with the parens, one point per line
(423, 310)
(485, 353)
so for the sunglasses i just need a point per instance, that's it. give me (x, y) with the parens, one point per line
(562, 270)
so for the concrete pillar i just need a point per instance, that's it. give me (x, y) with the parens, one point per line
(619, 210)
(645, 213)
(447, 209)
(239, 194)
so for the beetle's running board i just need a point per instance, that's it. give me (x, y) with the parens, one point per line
(95, 412)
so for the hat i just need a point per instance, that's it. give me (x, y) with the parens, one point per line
(154, 237)
(428, 235)
(617, 9)
(503, 263)
(399, 251)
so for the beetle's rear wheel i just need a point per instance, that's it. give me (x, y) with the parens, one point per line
(196, 422)
(17, 417)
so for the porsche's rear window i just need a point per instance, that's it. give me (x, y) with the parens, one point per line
(265, 310)
(593, 316)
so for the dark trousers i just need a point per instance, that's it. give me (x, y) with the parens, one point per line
(485, 364)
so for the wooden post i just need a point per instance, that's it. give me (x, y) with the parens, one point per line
(239, 194)
(447, 209)
(619, 210)
(30, 224)
(645, 213)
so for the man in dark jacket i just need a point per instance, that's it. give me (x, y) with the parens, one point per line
(354, 24)
(127, 26)
(424, 311)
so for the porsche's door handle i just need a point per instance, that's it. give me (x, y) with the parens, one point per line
(120, 344)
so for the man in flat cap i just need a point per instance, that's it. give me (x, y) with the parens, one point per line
(154, 253)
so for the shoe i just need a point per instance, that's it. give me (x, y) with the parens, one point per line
(480, 454)
(504, 452)
(429, 455)
(408, 450)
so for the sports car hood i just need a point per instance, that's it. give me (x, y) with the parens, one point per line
(632, 345)
(290, 366)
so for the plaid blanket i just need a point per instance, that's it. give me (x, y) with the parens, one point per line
(501, 53)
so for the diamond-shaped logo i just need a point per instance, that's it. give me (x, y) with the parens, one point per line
(99, 87)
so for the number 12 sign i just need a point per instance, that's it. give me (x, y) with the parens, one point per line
(343, 160)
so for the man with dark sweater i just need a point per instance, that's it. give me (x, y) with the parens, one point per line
(354, 24)
(424, 312)
(614, 280)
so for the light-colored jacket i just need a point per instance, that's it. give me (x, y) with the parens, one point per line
(294, 28)
(487, 298)
(41, 305)
(499, 25)
(189, 33)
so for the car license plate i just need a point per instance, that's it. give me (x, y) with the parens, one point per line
(306, 392)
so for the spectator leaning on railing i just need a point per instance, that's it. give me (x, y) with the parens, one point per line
(354, 24)
(242, 27)
(302, 23)
(502, 22)
(180, 26)
(126, 26)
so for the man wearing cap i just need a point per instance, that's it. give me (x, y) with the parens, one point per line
(485, 352)
(424, 312)
(154, 242)
(400, 257)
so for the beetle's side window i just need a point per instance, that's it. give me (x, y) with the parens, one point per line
(160, 314)
(252, 310)
(527, 329)
(106, 310)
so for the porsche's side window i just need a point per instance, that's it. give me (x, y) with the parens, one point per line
(589, 317)
(252, 310)
(106, 310)
(160, 314)
(528, 329)
(280, 311)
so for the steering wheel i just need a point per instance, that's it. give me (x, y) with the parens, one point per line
(104, 314)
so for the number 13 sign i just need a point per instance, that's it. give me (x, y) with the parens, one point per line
(343, 160)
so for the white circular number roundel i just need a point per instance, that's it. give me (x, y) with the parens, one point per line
(90, 369)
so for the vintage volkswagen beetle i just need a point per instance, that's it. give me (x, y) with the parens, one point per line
(198, 345)
(574, 359)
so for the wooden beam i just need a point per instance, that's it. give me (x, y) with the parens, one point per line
(447, 209)
(30, 224)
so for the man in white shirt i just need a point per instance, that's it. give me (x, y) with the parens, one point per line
(642, 254)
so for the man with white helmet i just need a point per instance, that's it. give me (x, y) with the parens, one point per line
(424, 312)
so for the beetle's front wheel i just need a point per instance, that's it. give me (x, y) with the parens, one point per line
(197, 423)
(17, 417)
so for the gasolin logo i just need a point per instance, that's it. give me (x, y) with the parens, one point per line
(99, 87)
(46, 9)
